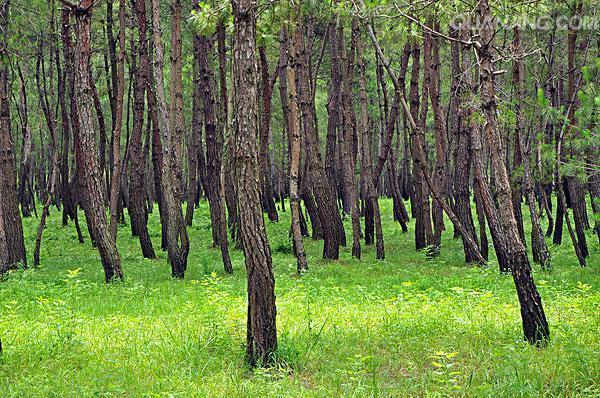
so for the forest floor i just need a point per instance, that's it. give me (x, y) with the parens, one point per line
(406, 326)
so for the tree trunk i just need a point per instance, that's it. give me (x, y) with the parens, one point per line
(137, 166)
(441, 142)
(261, 326)
(346, 134)
(372, 201)
(176, 233)
(11, 227)
(333, 231)
(462, 168)
(87, 163)
(294, 138)
(214, 147)
(176, 120)
(535, 326)
(266, 86)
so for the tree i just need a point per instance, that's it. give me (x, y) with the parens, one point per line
(116, 138)
(137, 167)
(12, 227)
(535, 326)
(294, 137)
(261, 327)
(87, 163)
(214, 152)
(176, 233)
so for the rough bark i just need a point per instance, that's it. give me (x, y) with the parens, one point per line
(333, 231)
(115, 183)
(372, 201)
(137, 166)
(535, 326)
(266, 88)
(87, 163)
(261, 325)
(11, 226)
(294, 139)
(214, 148)
(345, 137)
(176, 233)
(176, 120)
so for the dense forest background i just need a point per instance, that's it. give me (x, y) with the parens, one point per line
(255, 136)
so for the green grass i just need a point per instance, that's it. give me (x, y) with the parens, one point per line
(406, 326)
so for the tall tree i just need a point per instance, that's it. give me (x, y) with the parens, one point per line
(87, 162)
(214, 152)
(176, 120)
(535, 326)
(115, 185)
(177, 241)
(11, 226)
(137, 166)
(261, 326)
(294, 137)
(346, 134)
(325, 197)
(266, 87)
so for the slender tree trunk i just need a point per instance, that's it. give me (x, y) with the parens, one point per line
(372, 201)
(214, 147)
(576, 188)
(346, 134)
(25, 194)
(441, 141)
(462, 170)
(294, 138)
(116, 137)
(176, 120)
(266, 85)
(50, 122)
(87, 163)
(176, 233)
(194, 144)
(137, 166)
(324, 192)
(261, 326)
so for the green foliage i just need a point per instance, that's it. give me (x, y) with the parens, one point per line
(406, 326)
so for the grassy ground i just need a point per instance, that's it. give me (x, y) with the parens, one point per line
(406, 326)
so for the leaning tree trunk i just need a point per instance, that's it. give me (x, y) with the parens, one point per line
(261, 326)
(87, 163)
(535, 326)
(483, 198)
(420, 153)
